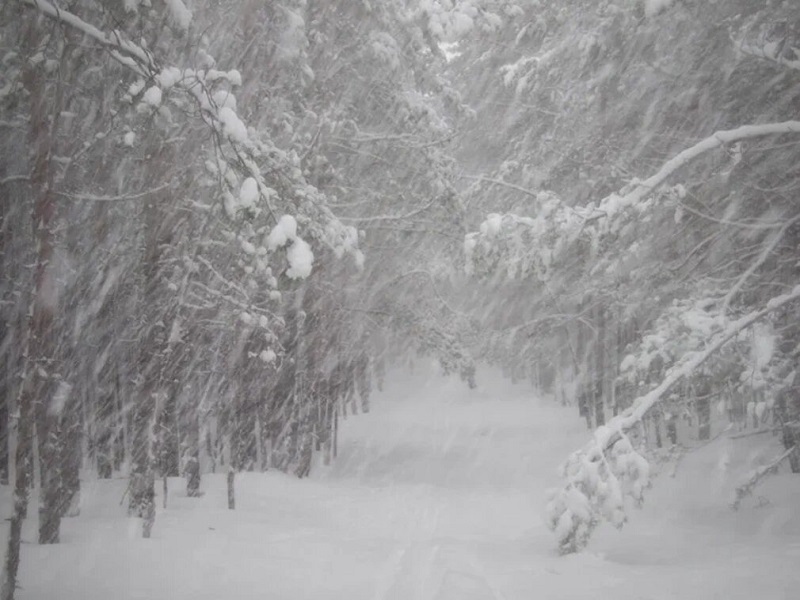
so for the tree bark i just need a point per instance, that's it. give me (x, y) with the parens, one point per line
(39, 384)
(4, 437)
(599, 369)
(191, 452)
(169, 448)
(23, 460)
(231, 492)
(703, 400)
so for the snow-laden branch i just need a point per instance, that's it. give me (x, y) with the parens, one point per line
(594, 475)
(746, 488)
(122, 50)
(643, 404)
(408, 215)
(533, 246)
(501, 183)
(773, 52)
(247, 190)
(117, 198)
(614, 203)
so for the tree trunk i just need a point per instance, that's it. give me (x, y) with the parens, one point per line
(169, 448)
(335, 430)
(703, 400)
(106, 427)
(191, 454)
(599, 369)
(23, 460)
(72, 456)
(142, 490)
(42, 124)
(231, 492)
(4, 437)
(791, 440)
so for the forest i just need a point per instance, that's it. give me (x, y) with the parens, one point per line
(223, 223)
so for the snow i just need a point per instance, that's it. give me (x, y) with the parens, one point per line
(223, 98)
(763, 346)
(152, 96)
(653, 7)
(60, 398)
(136, 87)
(234, 78)
(131, 5)
(248, 193)
(300, 258)
(168, 77)
(492, 225)
(283, 232)
(232, 126)
(248, 247)
(268, 356)
(179, 14)
(434, 496)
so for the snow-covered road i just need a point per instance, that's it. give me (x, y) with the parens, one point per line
(436, 495)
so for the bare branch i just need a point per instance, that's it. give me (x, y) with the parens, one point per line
(762, 257)
(746, 488)
(14, 179)
(120, 198)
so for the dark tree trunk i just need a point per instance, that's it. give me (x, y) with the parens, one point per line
(122, 431)
(169, 448)
(672, 430)
(244, 443)
(106, 427)
(142, 491)
(191, 453)
(599, 369)
(231, 492)
(335, 430)
(4, 438)
(703, 400)
(24, 461)
(42, 124)
(656, 419)
(363, 381)
(72, 428)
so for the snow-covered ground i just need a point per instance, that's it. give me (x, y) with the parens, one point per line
(437, 494)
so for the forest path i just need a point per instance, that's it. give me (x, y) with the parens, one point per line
(437, 494)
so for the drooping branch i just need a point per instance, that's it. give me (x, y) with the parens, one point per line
(244, 155)
(124, 51)
(644, 404)
(773, 52)
(592, 491)
(746, 488)
(641, 189)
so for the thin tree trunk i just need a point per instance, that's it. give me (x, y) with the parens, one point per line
(335, 429)
(73, 455)
(191, 455)
(106, 428)
(703, 400)
(599, 369)
(170, 444)
(231, 492)
(4, 437)
(23, 460)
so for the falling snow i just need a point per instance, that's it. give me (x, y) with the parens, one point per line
(399, 300)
